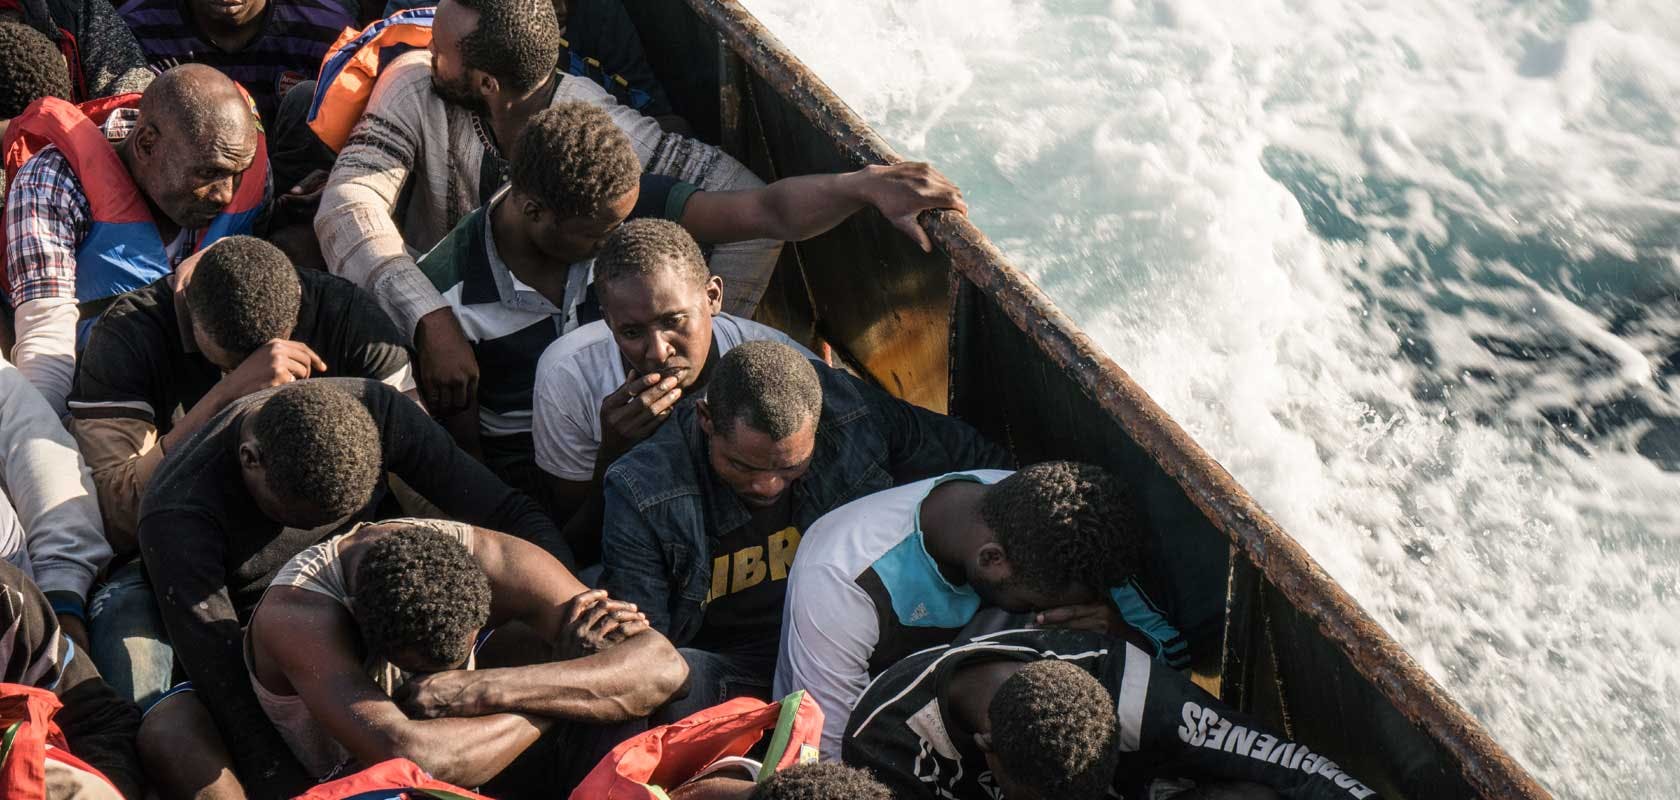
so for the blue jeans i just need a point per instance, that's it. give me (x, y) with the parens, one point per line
(126, 633)
(716, 677)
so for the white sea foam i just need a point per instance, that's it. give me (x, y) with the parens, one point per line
(1408, 268)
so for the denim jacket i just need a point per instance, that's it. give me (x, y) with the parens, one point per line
(666, 509)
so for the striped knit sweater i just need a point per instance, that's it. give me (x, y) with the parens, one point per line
(295, 36)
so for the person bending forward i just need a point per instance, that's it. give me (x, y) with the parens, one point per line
(347, 620)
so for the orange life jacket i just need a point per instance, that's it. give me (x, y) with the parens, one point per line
(122, 250)
(351, 68)
(397, 779)
(642, 767)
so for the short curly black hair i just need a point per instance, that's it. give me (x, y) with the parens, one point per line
(516, 41)
(243, 293)
(1065, 523)
(1053, 728)
(821, 781)
(32, 69)
(767, 385)
(319, 447)
(643, 247)
(421, 594)
(573, 160)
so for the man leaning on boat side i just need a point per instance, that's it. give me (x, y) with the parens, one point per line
(1061, 714)
(908, 568)
(704, 518)
(431, 147)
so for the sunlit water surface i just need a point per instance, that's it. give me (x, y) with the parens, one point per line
(1409, 268)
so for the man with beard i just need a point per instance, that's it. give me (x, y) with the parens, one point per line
(704, 518)
(907, 569)
(598, 41)
(432, 145)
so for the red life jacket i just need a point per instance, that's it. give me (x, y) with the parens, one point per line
(29, 738)
(122, 250)
(641, 768)
(397, 779)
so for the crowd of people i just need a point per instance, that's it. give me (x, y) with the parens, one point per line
(382, 401)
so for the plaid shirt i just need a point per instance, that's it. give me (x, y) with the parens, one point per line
(47, 216)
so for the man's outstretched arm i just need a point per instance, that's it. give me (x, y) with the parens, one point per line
(798, 208)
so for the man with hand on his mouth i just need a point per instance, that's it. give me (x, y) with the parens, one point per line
(516, 277)
(611, 384)
(704, 518)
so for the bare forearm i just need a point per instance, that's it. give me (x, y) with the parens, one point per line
(467, 751)
(625, 682)
(801, 207)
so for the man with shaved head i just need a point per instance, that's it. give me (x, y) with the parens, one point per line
(113, 198)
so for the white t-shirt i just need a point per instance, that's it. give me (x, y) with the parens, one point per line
(580, 369)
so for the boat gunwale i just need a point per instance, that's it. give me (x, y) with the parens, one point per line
(1369, 648)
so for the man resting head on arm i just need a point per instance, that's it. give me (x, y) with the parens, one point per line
(908, 568)
(346, 621)
(1045, 713)
(235, 319)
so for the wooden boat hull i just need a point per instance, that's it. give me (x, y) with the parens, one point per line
(963, 331)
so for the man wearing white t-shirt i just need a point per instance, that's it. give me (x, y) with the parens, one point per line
(610, 384)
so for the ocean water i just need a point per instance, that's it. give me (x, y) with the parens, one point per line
(1410, 269)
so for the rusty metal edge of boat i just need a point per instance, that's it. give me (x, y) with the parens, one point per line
(1285, 564)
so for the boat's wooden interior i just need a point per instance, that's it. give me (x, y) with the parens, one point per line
(961, 331)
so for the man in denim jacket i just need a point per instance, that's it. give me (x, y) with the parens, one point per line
(703, 518)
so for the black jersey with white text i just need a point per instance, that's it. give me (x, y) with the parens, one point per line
(903, 730)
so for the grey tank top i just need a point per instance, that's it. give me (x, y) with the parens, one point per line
(320, 569)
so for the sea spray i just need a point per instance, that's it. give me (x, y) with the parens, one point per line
(1408, 268)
